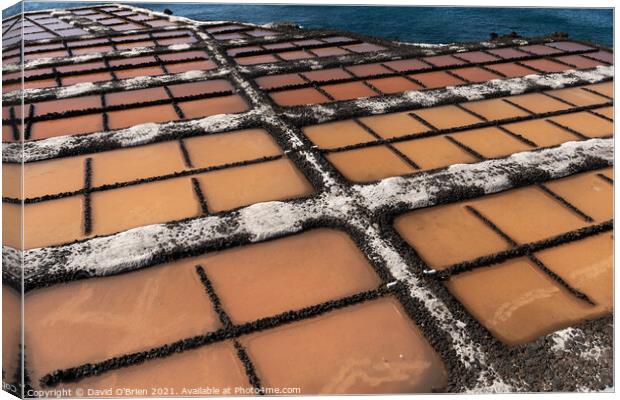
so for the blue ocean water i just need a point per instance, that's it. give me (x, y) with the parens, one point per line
(411, 24)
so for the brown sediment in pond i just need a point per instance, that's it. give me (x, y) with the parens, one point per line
(368, 348)
(125, 165)
(494, 109)
(436, 79)
(337, 134)
(434, 152)
(196, 88)
(541, 49)
(541, 132)
(297, 97)
(213, 106)
(363, 47)
(51, 176)
(142, 71)
(135, 96)
(586, 265)
(45, 224)
(12, 180)
(407, 65)
(230, 147)
(76, 103)
(392, 125)
(249, 60)
(491, 142)
(606, 112)
(11, 333)
(446, 235)
(365, 70)
(7, 133)
(475, 74)
(92, 77)
(276, 81)
(517, 302)
(443, 61)
(588, 193)
(240, 186)
(606, 88)
(67, 126)
(81, 67)
(105, 317)
(585, 123)
(579, 97)
(149, 203)
(511, 70)
(395, 84)
(528, 214)
(131, 61)
(569, 46)
(306, 269)
(538, 103)
(445, 117)
(369, 164)
(295, 55)
(507, 53)
(348, 91)
(579, 61)
(189, 373)
(327, 75)
(545, 65)
(150, 114)
(477, 56)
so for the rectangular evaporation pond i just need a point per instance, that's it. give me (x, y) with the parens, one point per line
(491, 142)
(588, 192)
(446, 235)
(586, 265)
(434, 152)
(297, 97)
(277, 81)
(67, 104)
(135, 312)
(494, 296)
(241, 186)
(213, 106)
(150, 114)
(585, 123)
(578, 96)
(47, 223)
(67, 126)
(144, 204)
(349, 91)
(215, 366)
(369, 164)
(304, 270)
(45, 177)
(528, 214)
(394, 84)
(376, 342)
(230, 147)
(201, 87)
(337, 134)
(541, 132)
(129, 164)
